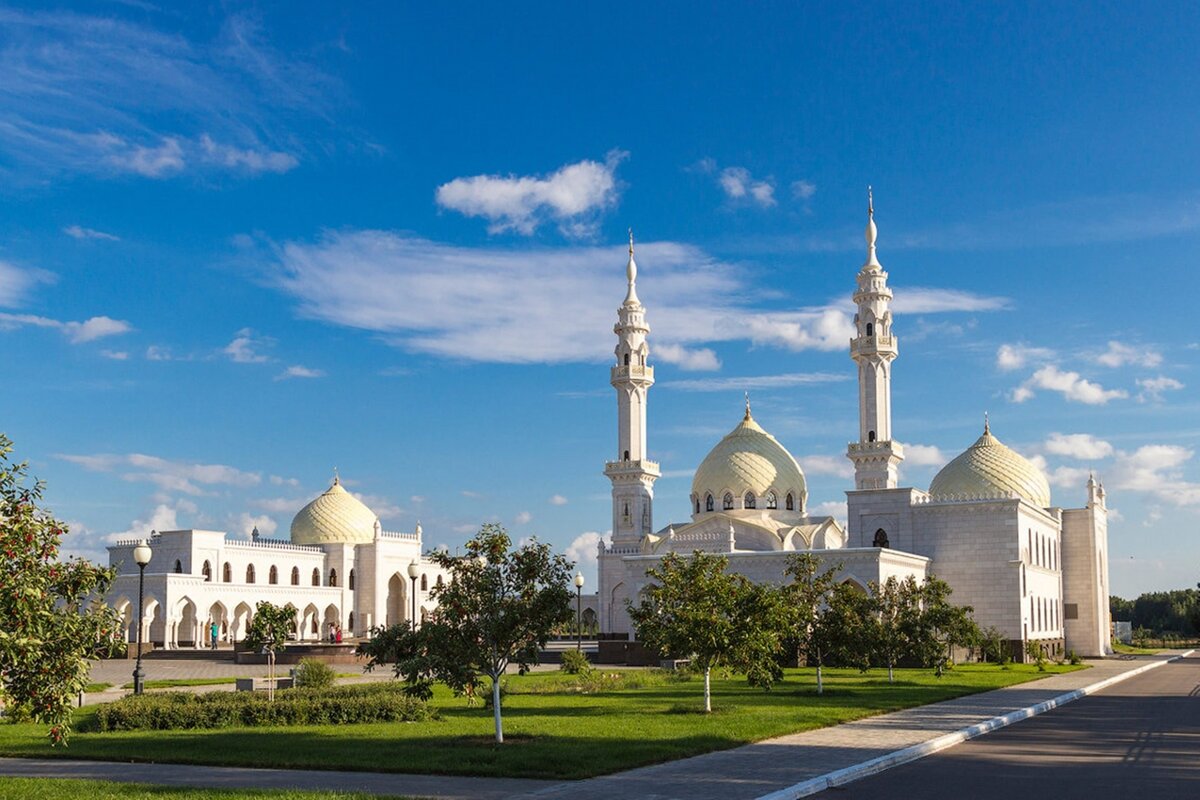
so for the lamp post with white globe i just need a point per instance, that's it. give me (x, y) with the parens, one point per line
(414, 569)
(141, 555)
(579, 612)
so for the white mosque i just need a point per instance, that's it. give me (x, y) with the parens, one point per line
(986, 525)
(340, 568)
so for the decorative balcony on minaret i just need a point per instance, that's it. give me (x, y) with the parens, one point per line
(876, 457)
(632, 474)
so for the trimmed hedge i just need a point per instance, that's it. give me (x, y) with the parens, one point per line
(341, 705)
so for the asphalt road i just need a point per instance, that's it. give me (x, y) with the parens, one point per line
(1139, 739)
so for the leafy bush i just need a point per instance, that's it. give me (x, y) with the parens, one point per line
(575, 663)
(334, 706)
(1074, 658)
(313, 674)
(1037, 653)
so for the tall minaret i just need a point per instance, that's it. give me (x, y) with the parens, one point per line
(632, 475)
(875, 456)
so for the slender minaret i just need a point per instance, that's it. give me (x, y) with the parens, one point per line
(632, 475)
(875, 456)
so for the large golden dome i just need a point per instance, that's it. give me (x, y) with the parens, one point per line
(336, 517)
(988, 468)
(749, 459)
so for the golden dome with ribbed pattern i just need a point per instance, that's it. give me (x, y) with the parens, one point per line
(749, 459)
(336, 517)
(989, 468)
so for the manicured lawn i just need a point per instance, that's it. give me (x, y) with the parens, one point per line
(555, 727)
(1130, 650)
(174, 683)
(62, 789)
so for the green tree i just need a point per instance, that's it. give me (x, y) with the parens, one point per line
(844, 628)
(940, 625)
(499, 607)
(896, 603)
(695, 609)
(805, 596)
(52, 620)
(270, 627)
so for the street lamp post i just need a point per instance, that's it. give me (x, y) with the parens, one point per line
(141, 555)
(579, 612)
(414, 569)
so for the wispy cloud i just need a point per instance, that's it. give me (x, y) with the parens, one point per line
(16, 283)
(557, 500)
(573, 196)
(79, 232)
(1153, 388)
(925, 300)
(1080, 446)
(109, 96)
(1015, 356)
(1119, 354)
(692, 360)
(1071, 385)
(299, 371)
(754, 382)
(76, 332)
(171, 476)
(739, 185)
(246, 348)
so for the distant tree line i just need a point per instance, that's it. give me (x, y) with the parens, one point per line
(1176, 611)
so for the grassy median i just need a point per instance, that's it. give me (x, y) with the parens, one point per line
(67, 789)
(556, 725)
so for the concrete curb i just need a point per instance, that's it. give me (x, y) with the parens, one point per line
(894, 759)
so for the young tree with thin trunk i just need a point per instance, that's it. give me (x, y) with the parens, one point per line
(939, 625)
(695, 609)
(498, 608)
(806, 596)
(896, 602)
(52, 620)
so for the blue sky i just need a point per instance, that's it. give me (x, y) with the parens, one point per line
(242, 244)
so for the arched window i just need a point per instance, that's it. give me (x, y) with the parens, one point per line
(350, 623)
(870, 329)
(273, 576)
(748, 501)
(440, 582)
(178, 566)
(881, 539)
(772, 500)
(227, 573)
(206, 571)
(728, 501)
(627, 359)
(333, 577)
(316, 580)
(249, 573)
(708, 503)
(697, 505)
(626, 455)
(424, 583)
(295, 576)
(350, 584)
(789, 503)
(870, 436)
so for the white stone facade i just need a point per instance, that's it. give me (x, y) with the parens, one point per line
(196, 577)
(1033, 571)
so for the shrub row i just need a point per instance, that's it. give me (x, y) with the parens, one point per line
(336, 706)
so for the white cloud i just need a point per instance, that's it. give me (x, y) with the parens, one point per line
(739, 185)
(157, 353)
(926, 300)
(101, 95)
(692, 360)
(923, 455)
(79, 232)
(469, 527)
(245, 347)
(573, 196)
(245, 524)
(382, 506)
(1153, 388)
(583, 549)
(115, 355)
(15, 283)
(164, 517)
(1070, 385)
(824, 329)
(1080, 446)
(558, 500)
(838, 466)
(279, 505)
(76, 332)
(1119, 355)
(1015, 356)
(1157, 470)
(523, 518)
(279, 480)
(830, 508)
(803, 190)
(173, 476)
(746, 383)
(299, 371)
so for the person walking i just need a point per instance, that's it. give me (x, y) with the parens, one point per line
(215, 633)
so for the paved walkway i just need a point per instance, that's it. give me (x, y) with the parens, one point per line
(743, 773)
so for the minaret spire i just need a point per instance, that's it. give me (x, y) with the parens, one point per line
(747, 405)
(631, 298)
(987, 428)
(876, 457)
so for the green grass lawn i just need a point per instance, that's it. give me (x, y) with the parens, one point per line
(175, 683)
(65, 789)
(1130, 650)
(554, 728)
